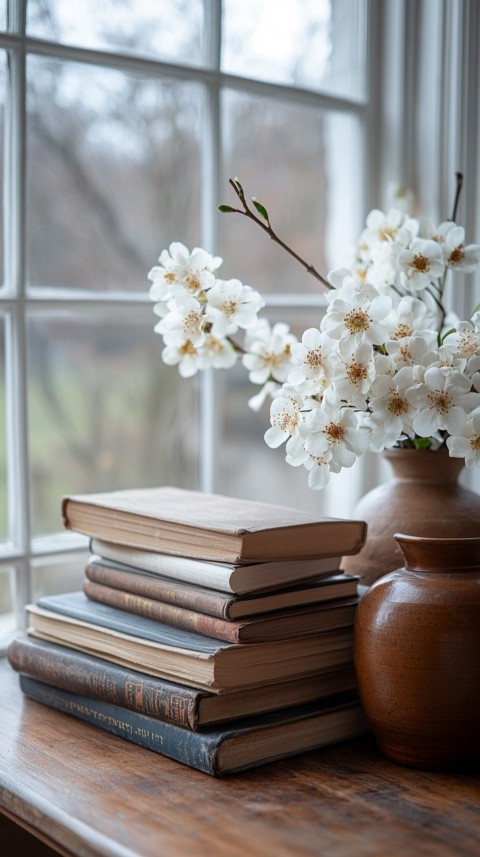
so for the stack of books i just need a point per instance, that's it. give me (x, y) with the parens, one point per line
(215, 631)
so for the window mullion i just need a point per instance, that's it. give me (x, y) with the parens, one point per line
(211, 169)
(16, 386)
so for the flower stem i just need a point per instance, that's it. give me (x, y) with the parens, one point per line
(266, 226)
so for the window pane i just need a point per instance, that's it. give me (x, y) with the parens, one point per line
(305, 166)
(59, 573)
(104, 411)
(113, 174)
(172, 30)
(3, 79)
(8, 617)
(317, 44)
(247, 467)
(3, 439)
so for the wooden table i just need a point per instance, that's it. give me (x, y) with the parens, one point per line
(86, 793)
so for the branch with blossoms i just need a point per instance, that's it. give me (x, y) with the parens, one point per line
(385, 367)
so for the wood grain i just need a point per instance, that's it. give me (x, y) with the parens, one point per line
(94, 794)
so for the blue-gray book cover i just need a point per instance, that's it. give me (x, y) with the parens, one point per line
(77, 606)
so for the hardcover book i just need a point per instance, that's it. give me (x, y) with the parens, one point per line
(245, 744)
(189, 658)
(226, 577)
(282, 625)
(185, 706)
(222, 605)
(209, 526)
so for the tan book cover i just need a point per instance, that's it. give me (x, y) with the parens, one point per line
(209, 526)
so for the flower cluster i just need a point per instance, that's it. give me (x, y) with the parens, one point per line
(385, 367)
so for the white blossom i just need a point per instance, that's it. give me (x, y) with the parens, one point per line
(311, 358)
(269, 352)
(182, 271)
(218, 353)
(285, 416)
(188, 358)
(318, 467)
(231, 305)
(421, 263)
(442, 401)
(335, 429)
(467, 444)
(357, 315)
(457, 256)
(183, 321)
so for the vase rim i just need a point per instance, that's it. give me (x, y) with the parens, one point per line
(434, 540)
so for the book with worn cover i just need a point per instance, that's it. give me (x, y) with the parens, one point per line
(182, 656)
(243, 744)
(282, 625)
(210, 526)
(225, 577)
(185, 706)
(222, 605)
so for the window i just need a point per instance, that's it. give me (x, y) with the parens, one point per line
(122, 121)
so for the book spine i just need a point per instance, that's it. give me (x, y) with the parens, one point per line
(214, 604)
(178, 617)
(103, 680)
(191, 748)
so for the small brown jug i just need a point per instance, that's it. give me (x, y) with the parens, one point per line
(417, 655)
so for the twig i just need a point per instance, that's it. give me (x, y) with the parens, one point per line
(459, 178)
(264, 223)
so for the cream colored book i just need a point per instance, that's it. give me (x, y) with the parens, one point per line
(152, 647)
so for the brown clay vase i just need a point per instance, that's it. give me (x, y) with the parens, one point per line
(417, 655)
(423, 499)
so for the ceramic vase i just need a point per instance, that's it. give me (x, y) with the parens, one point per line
(417, 655)
(424, 498)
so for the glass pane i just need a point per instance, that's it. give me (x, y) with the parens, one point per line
(59, 573)
(3, 80)
(317, 44)
(8, 616)
(249, 468)
(104, 411)
(305, 166)
(3, 439)
(172, 30)
(113, 174)
(3, 14)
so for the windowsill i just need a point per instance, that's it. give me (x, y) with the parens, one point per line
(84, 791)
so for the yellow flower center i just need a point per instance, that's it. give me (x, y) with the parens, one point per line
(357, 372)
(397, 405)
(335, 432)
(191, 322)
(403, 329)
(440, 401)
(192, 281)
(456, 256)
(284, 421)
(475, 442)
(421, 263)
(386, 233)
(314, 358)
(188, 348)
(357, 321)
(229, 307)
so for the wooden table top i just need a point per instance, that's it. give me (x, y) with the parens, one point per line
(89, 793)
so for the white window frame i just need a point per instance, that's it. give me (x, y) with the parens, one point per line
(399, 32)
